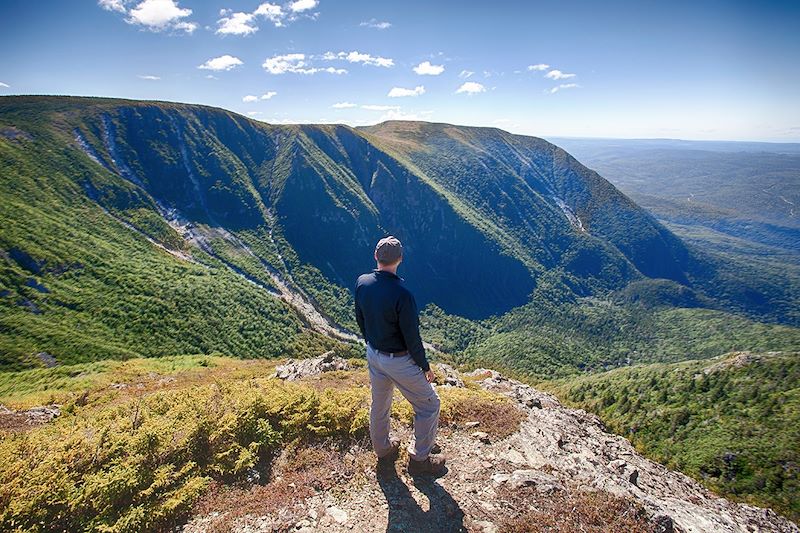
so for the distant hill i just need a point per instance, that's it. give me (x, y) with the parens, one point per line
(745, 190)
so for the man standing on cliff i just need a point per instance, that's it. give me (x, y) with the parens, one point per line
(387, 316)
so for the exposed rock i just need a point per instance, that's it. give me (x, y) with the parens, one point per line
(295, 369)
(737, 360)
(48, 360)
(482, 436)
(451, 376)
(27, 418)
(575, 446)
(337, 514)
(534, 478)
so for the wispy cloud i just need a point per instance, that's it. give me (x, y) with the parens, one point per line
(246, 23)
(538, 67)
(558, 75)
(226, 62)
(303, 5)
(4, 85)
(359, 57)
(343, 105)
(154, 15)
(295, 64)
(398, 92)
(426, 69)
(373, 107)
(397, 114)
(113, 5)
(471, 87)
(149, 77)
(378, 25)
(465, 74)
(564, 86)
(236, 23)
(271, 12)
(253, 98)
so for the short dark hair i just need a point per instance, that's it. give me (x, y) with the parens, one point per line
(389, 250)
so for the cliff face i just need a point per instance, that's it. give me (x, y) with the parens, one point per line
(483, 213)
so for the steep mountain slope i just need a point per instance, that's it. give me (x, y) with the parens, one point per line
(528, 187)
(171, 190)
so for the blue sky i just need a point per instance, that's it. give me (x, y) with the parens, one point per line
(694, 70)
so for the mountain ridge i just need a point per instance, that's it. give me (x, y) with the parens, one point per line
(491, 221)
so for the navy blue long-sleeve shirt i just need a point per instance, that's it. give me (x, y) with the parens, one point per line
(386, 313)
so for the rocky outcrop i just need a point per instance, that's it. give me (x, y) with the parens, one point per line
(295, 369)
(556, 455)
(27, 418)
(574, 446)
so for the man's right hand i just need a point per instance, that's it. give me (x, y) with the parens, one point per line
(430, 376)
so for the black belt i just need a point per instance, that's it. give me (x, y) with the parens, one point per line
(391, 354)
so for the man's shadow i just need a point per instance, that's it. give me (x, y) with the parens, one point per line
(405, 514)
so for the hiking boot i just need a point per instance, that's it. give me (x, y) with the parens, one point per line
(433, 465)
(392, 454)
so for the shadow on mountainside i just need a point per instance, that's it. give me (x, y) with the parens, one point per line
(406, 514)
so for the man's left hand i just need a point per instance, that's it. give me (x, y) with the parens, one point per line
(430, 376)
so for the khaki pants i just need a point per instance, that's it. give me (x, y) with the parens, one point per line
(385, 373)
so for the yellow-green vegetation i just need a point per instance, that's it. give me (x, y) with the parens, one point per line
(731, 422)
(137, 457)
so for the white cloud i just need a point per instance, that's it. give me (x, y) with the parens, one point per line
(237, 24)
(564, 86)
(558, 75)
(244, 23)
(296, 64)
(268, 95)
(113, 5)
(241, 23)
(149, 77)
(465, 74)
(538, 66)
(397, 92)
(272, 12)
(160, 15)
(303, 5)
(4, 85)
(372, 107)
(379, 25)
(426, 69)
(359, 57)
(155, 15)
(471, 87)
(397, 114)
(250, 98)
(211, 77)
(225, 62)
(254, 113)
(343, 105)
